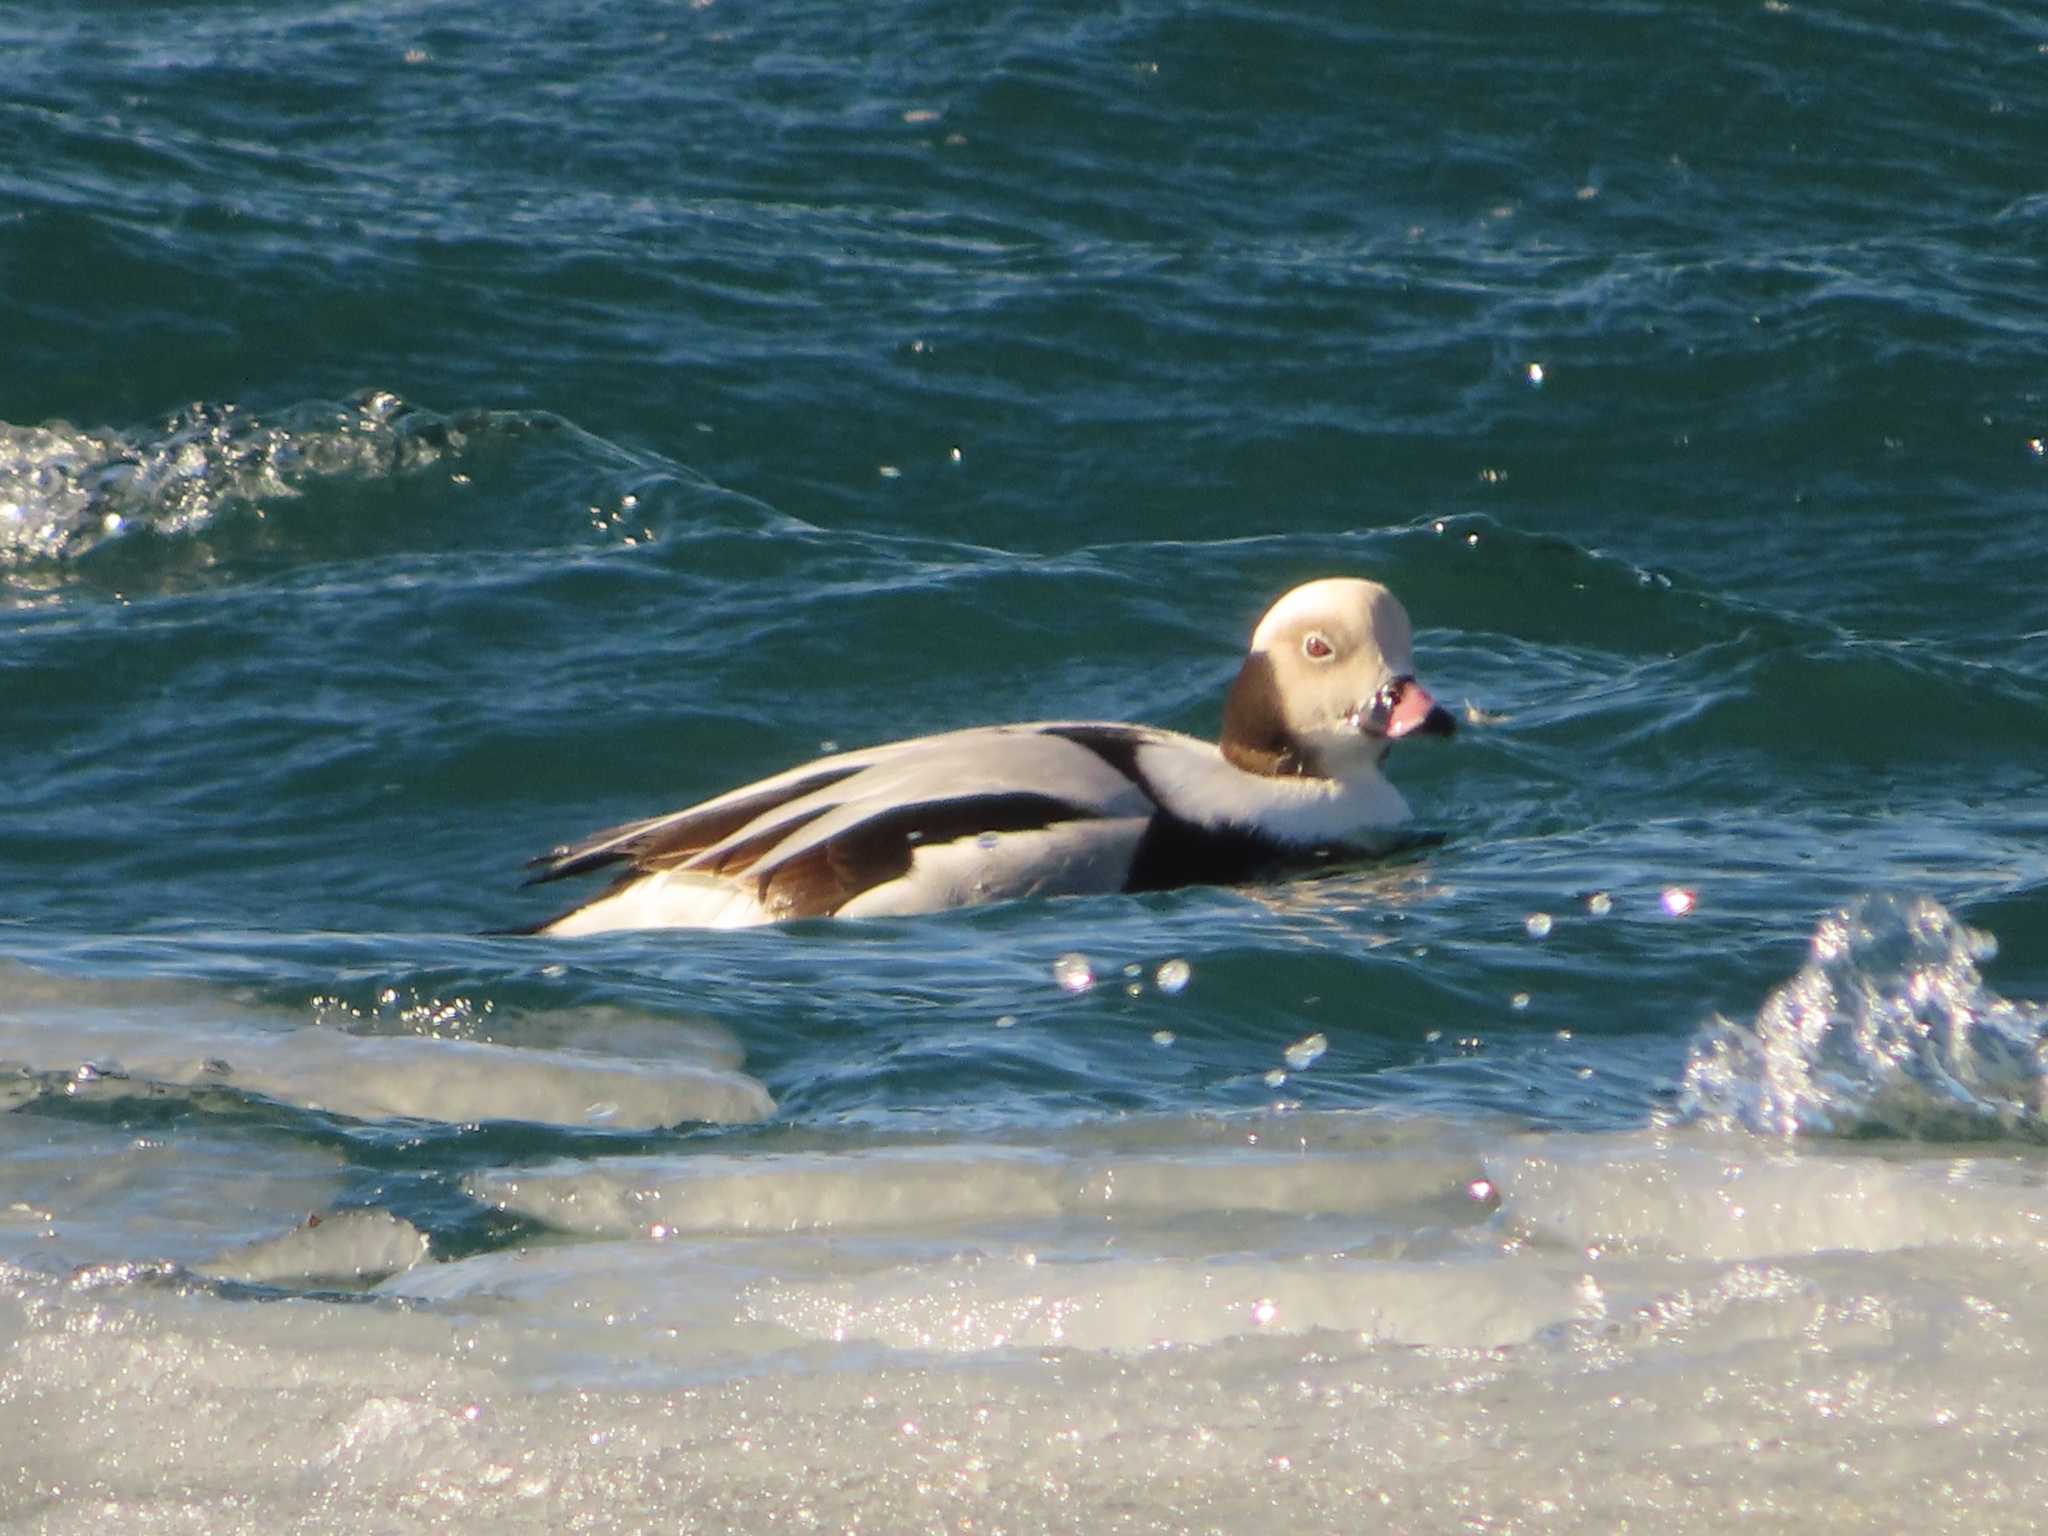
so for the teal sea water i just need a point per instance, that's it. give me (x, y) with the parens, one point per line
(428, 434)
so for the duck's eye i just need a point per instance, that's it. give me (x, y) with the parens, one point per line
(1316, 648)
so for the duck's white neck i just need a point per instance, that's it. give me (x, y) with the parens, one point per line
(1207, 789)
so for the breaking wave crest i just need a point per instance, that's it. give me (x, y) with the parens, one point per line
(65, 490)
(402, 473)
(1887, 1029)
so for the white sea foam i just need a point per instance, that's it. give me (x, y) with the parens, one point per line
(1157, 1324)
(994, 1302)
(1511, 1370)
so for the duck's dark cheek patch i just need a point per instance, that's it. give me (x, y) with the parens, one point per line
(1256, 737)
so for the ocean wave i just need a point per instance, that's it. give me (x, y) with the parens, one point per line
(68, 494)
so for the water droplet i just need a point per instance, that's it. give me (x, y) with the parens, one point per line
(1275, 1078)
(987, 841)
(1599, 903)
(1484, 1191)
(1162, 1037)
(1174, 976)
(1538, 924)
(1073, 972)
(1519, 1001)
(1678, 901)
(1304, 1052)
(1536, 375)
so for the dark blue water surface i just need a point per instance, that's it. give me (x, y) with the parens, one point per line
(430, 433)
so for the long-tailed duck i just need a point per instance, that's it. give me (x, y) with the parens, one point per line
(1052, 808)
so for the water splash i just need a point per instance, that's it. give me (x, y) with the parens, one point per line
(65, 490)
(1888, 1029)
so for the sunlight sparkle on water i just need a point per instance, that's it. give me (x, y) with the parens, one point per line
(1304, 1052)
(1173, 976)
(1678, 901)
(1073, 972)
(1538, 924)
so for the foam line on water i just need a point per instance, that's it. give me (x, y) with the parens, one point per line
(347, 1246)
(1720, 1198)
(960, 1183)
(109, 1039)
(983, 1303)
(80, 1193)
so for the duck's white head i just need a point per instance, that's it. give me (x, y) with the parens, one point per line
(1329, 684)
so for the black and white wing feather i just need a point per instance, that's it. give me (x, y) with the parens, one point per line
(872, 824)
